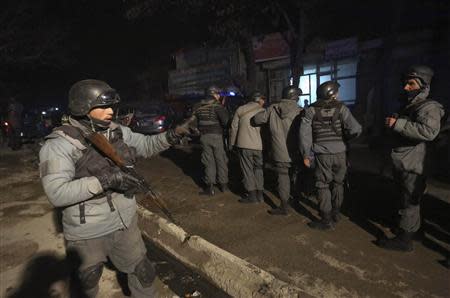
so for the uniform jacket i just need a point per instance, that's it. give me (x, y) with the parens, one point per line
(350, 127)
(58, 159)
(212, 117)
(242, 133)
(281, 116)
(418, 123)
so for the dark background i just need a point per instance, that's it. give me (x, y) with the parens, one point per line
(47, 45)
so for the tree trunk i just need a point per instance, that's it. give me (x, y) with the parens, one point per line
(297, 47)
(249, 56)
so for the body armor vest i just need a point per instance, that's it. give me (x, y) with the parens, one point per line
(208, 122)
(94, 163)
(327, 122)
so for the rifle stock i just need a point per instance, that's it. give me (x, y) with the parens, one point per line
(102, 144)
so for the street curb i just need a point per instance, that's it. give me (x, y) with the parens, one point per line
(233, 275)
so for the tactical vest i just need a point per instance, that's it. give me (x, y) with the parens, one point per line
(327, 123)
(208, 122)
(93, 162)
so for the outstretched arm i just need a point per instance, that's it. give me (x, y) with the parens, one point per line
(146, 146)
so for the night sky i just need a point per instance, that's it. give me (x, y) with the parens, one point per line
(47, 45)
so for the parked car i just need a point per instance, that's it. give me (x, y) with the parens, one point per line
(147, 119)
(125, 115)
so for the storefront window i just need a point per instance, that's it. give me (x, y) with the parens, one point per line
(342, 71)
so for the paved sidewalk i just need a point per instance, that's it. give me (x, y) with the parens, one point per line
(339, 263)
(32, 248)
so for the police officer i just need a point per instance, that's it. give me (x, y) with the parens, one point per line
(416, 123)
(322, 131)
(247, 138)
(99, 207)
(212, 120)
(281, 116)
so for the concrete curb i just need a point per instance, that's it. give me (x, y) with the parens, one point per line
(235, 276)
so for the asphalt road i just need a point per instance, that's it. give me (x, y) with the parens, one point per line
(339, 263)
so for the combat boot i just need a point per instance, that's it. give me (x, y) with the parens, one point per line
(251, 198)
(260, 195)
(208, 191)
(324, 223)
(224, 187)
(401, 242)
(336, 215)
(281, 210)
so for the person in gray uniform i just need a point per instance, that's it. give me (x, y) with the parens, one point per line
(323, 130)
(97, 198)
(247, 138)
(417, 123)
(212, 120)
(281, 116)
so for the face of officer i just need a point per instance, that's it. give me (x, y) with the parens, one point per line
(102, 113)
(261, 102)
(216, 96)
(336, 96)
(411, 85)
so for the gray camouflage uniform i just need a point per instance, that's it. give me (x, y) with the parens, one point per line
(418, 123)
(326, 144)
(212, 119)
(108, 225)
(281, 117)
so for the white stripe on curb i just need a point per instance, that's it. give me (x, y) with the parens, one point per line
(235, 276)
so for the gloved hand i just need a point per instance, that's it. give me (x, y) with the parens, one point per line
(172, 137)
(181, 130)
(119, 181)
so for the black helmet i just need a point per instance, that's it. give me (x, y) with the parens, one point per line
(88, 94)
(328, 90)
(258, 96)
(212, 90)
(421, 72)
(291, 92)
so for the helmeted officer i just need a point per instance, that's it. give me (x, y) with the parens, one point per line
(99, 207)
(417, 123)
(212, 120)
(247, 139)
(323, 130)
(282, 117)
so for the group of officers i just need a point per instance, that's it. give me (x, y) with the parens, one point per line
(316, 135)
(317, 138)
(97, 198)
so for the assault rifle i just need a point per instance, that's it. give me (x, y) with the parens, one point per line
(102, 144)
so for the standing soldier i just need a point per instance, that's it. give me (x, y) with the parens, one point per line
(322, 131)
(280, 117)
(417, 123)
(212, 120)
(99, 206)
(247, 138)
